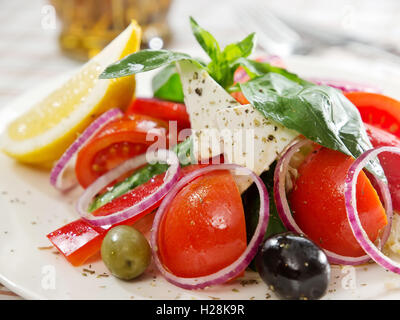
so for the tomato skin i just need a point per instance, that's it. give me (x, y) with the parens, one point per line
(79, 240)
(317, 203)
(379, 110)
(239, 97)
(161, 109)
(116, 142)
(390, 162)
(204, 228)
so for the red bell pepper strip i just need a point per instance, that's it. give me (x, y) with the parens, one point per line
(160, 109)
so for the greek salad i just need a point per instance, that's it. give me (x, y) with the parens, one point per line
(234, 164)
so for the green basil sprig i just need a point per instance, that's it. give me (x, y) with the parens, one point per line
(167, 85)
(320, 113)
(221, 67)
(256, 68)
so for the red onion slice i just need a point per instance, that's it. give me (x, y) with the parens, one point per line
(170, 179)
(57, 178)
(345, 86)
(352, 214)
(285, 214)
(243, 261)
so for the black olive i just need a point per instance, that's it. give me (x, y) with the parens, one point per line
(293, 266)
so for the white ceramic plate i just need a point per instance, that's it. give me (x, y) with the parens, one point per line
(30, 208)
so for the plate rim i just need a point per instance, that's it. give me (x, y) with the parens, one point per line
(293, 61)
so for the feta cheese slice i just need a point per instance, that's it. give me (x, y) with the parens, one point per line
(251, 140)
(203, 97)
(222, 125)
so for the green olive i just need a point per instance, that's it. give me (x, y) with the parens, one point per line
(125, 252)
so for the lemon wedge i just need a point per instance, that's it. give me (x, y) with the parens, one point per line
(44, 132)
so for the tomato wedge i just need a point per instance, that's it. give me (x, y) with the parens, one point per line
(318, 206)
(239, 97)
(204, 229)
(79, 240)
(161, 109)
(390, 162)
(379, 110)
(118, 141)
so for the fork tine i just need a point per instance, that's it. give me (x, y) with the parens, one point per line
(271, 22)
(273, 35)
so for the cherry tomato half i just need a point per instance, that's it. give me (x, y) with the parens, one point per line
(379, 110)
(390, 161)
(318, 206)
(204, 228)
(118, 141)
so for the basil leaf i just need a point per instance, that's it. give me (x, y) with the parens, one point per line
(167, 84)
(185, 152)
(142, 61)
(136, 179)
(223, 68)
(320, 113)
(206, 40)
(240, 49)
(256, 68)
(221, 72)
(220, 68)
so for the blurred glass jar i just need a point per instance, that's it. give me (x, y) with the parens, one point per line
(89, 25)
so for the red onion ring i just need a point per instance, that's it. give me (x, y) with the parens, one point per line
(352, 214)
(56, 175)
(242, 262)
(285, 214)
(170, 179)
(240, 76)
(345, 86)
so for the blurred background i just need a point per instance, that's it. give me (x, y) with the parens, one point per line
(41, 39)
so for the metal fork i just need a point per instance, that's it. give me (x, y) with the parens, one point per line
(273, 35)
(278, 38)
